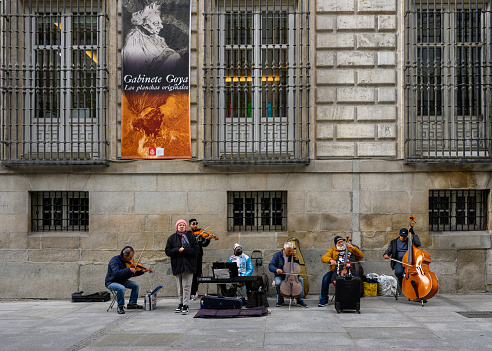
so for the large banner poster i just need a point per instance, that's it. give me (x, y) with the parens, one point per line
(155, 102)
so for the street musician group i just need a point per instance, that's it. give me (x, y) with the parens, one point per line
(185, 248)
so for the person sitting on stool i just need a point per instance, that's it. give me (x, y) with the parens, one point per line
(117, 279)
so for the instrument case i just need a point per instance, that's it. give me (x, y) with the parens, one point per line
(347, 293)
(220, 303)
(99, 296)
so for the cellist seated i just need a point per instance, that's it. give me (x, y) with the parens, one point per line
(397, 249)
(276, 266)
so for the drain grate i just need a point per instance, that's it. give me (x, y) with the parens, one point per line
(476, 314)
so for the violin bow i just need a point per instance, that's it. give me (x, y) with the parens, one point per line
(407, 264)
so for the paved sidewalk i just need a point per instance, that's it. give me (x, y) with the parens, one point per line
(384, 323)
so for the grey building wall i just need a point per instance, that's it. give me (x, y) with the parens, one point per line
(356, 184)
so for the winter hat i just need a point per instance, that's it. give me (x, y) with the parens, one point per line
(404, 232)
(338, 238)
(236, 246)
(181, 221)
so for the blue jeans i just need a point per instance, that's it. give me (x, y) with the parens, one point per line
(325, 285)
(120, 291)
(280, 298)
(399, 270)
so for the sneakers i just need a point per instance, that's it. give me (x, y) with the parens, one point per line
(278, 304)
(185, 310)
(179, 309)
(121, 309)
(322, 303)
(134, 306)
(302, 304)
(193, 297)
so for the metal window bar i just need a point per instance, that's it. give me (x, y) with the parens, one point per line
(448, 80)
(257, 211)
(458, 210)
(256, 81)
(59, 211)
(54, 82)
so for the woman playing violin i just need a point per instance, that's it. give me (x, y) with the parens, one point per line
(203, 241)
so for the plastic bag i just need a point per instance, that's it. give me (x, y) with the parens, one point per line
(386, 284)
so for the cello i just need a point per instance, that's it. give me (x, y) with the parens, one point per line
(419, 283)
(291, 287)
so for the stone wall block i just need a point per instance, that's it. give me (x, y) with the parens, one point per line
(335, 41)
(112, 202)
(386, 95)
(374, 240)
(336, 222)
(335, 6)
(352, 22)
(309, 222)
(335, 149)
(54, 242)
(207, 202)
(462, 240)
(325, 95)
(158, 222)
(355, 94)
(461, 180)
(14, 202)
(98, 241)
(376, 113)
(386, 23)
(13, 256)
(376, 77)
(116, 182)
(355, 131)
(4, 241)
(376, 6)
(386, 131)
(355, 58)
(335, 77)
(391, 202)
(324, 23)
(376, 40)
(328, 202)
(324, 131)
(117, 223)
(386, 58)
(471, 271)
(13, 223)
(375, 222)
(419, 201)
(99, 256)
(335, 113)
(324, 58)
(138, 241)
(160, 202)
(54, 255)
(376, 149)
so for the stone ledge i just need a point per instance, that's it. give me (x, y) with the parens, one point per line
(461, 240)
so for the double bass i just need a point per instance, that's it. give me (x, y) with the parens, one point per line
(419, 283)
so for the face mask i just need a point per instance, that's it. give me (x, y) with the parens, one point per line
(238, 253)
(341, 247)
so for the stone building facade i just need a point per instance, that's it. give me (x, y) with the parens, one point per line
(361, 178)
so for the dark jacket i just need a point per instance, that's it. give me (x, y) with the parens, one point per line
(202, 242)
(278, 262)
(182, 262)
(391, 250)
(118, 272)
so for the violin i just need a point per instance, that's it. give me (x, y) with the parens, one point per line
(204, 234)
(291, 286)
(419, 283)
(137, 265)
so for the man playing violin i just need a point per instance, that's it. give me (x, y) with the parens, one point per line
(397, 249)
(287, 254)
(120, 270)
(330, 257)
(202, 241)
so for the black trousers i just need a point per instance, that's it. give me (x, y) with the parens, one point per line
(198, 273)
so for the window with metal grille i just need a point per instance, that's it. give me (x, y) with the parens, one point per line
(447, 74)
(59, 211)
(257, 210)
(458, 210)
(256, 81)
(54, 82)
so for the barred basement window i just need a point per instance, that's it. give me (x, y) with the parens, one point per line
(448, 103)
(257, 210)
(54, 82)
(256, 81)
(59, 211)
(458, 210)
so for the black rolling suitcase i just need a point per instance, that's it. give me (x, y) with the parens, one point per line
(347, 293)
(220, 303)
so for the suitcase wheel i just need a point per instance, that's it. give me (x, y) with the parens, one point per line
(337, 307)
